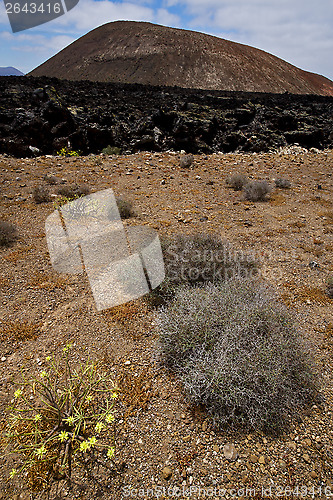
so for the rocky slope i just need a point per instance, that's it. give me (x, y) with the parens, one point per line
(141, 52)
(48, 113)
(10, 71)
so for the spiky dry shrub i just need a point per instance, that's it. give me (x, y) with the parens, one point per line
(237, 181)
(51, 179)
(237, 351)
(199, 258)
(125, 208)
(41, 194)
(282, 183)
(74, 191)
(186, 161)
(8, 233)
(256, 190)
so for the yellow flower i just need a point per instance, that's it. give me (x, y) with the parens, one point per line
(99, 427)
(43, 374)
(114, 395)
(92, 441)
(110, 452)
(17, 393)
(63, 436)
(109, 419)
(40, 452)
(48, 358)
(84, 446)
(37, 417)
(89, 398)
(70, 420)
(13, 473)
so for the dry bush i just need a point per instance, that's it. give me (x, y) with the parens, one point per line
(125, 208)
(256, 190)
(237, 351)
(8, 233)
(282, 183)
(73, 191)
(186, 161)
(237, 181)
(41, 194)
(16, 331)
(199, 258)
(51, 179)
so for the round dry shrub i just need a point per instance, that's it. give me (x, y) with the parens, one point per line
(41, 194)
(186, 161)
(237, 351)
(199, 258)
(237, 181)
(8, 233)
(73, 191)
(125, 208)
(282, 183)
(256, 190)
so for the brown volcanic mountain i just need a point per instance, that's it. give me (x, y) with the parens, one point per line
(141, 52)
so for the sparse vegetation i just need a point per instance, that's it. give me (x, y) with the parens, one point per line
(329, 288)
(111, 150)
(238, 352)
(199, 258)
(256, 190)
(41, 194)
(237, 181)
(74, 191)
(282, 183)
(125, 208)
(51, 179)
(68, 152)
(8, 233)
(186, 161)
(68, 420)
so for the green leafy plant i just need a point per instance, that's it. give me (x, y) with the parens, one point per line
(60, 418)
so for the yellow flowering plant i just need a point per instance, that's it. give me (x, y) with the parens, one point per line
(58, 418)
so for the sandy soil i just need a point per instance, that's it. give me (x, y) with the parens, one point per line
(288, 231)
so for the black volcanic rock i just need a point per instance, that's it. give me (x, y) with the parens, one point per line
(48, 113)
(149, 54)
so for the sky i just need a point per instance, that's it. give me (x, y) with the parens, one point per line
(298, 31)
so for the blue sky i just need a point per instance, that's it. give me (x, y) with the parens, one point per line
(298, 31)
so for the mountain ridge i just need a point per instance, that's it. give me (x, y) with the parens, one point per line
(151, 54)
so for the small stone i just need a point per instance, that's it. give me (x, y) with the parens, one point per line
(166, 473)
(216, 448)
(262, 460)
(282, 464)
(253, 459)
(313, 474)
(306, 442)
(127, 363)
(306, 458)
(230, 452)
(163, 182)
(3, 358)
(204, 425)
(292, 445)
(186, 439)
